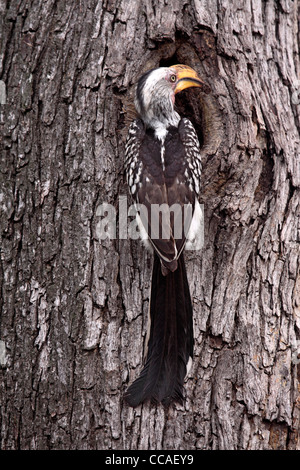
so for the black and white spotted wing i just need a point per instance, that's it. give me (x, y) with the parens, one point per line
(164, 173)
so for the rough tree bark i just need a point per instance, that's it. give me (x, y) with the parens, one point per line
(73, 307)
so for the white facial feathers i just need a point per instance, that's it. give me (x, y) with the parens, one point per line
(154, 100)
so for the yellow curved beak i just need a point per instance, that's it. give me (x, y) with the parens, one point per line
(187, 77)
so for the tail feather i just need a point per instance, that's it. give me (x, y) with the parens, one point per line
(171, 339)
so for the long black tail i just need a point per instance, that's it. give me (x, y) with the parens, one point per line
(171, 339)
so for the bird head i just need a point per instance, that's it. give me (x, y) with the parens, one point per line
(156, 90)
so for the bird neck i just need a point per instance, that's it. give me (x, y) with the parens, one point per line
(161, 124)
(155, 106)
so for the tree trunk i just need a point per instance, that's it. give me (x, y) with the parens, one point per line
(73, 306)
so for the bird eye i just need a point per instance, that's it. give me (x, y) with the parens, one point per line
(173, 78)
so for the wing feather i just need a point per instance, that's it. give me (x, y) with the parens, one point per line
(168, 188)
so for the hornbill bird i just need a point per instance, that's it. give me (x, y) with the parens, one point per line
(163, 168)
